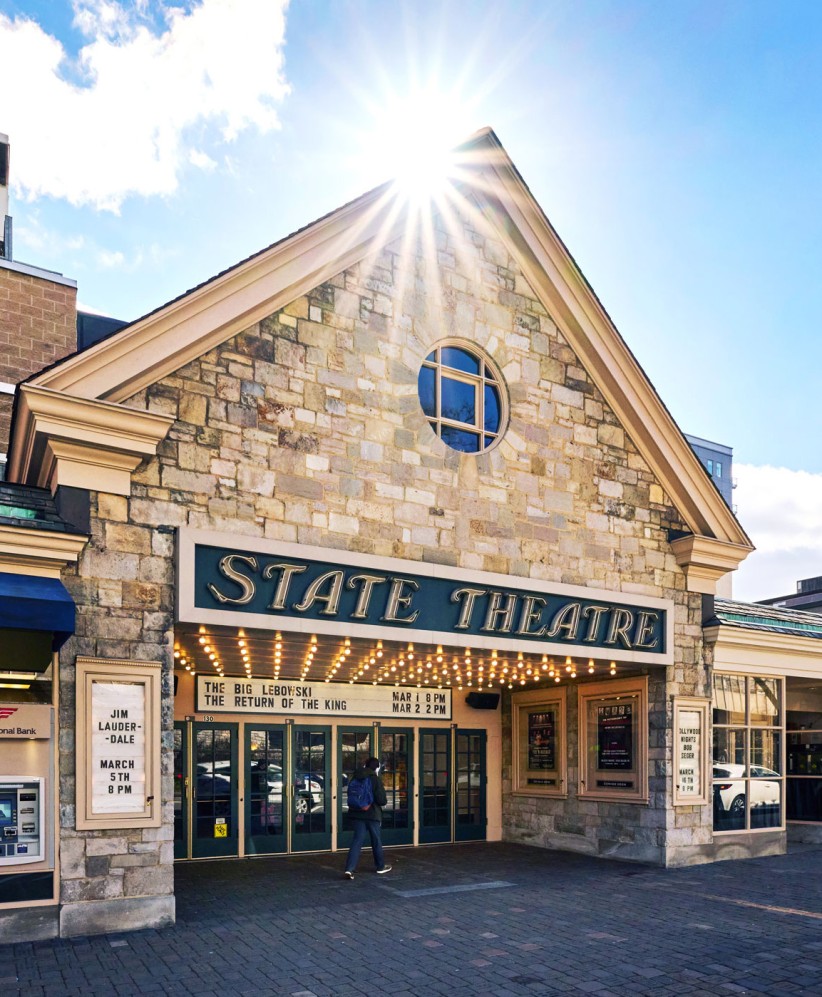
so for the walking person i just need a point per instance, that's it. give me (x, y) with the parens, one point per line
(366, 798)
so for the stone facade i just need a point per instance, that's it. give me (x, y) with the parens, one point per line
(307, 428)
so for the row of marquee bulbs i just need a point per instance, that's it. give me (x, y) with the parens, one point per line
(410, 667)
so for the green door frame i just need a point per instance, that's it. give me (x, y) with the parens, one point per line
(345, 836)
(182, 784)
(472, 774)
(310, 807)
(212, 806)
(264, 804)
(391, 834)
(437, 796)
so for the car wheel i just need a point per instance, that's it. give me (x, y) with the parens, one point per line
(738, 805)
(301, 805)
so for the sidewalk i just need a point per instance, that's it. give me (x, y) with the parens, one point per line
(457, 920)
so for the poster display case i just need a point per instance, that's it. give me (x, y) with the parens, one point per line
(539, 737)
(613, 729)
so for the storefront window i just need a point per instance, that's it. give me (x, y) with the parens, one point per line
(804, 750)
(539, 736)
(614, 740)
(461, 394)
(747, 755)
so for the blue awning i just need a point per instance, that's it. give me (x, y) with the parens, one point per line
(28, 602)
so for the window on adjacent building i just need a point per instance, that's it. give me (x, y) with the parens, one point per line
(710, 465)
(461, 395)
(748, 776)
(718, 469)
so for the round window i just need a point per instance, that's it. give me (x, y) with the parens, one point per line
(461, 395)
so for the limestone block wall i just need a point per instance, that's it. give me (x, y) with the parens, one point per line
(123, 590)
(307, 428)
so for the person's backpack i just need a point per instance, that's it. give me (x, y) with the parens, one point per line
(361, 794)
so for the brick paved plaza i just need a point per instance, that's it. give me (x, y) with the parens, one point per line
(457, 920)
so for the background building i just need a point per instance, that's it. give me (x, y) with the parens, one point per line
(717, 460)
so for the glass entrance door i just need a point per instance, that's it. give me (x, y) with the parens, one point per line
(396, 754)
(181, 789)
(310, 789)
(470, 821)
(214, 796)
(354, 748)
(435, 786)
(266, 782)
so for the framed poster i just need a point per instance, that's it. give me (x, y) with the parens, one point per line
(118, 744)
(539, 732)
(613, 725)
(691, 775)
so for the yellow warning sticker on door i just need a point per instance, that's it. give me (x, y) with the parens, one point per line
(220, 828)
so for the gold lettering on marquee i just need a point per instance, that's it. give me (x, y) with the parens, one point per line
(227, 570)
(287, 572)
(621, 622)
(566, 619)
(366, 584)
(646, 621)
(596, 613)
(333, 580)
(532, 607)
(496, 610)
(468, 597)
(397, 600)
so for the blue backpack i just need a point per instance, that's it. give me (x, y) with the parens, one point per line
(361, 794)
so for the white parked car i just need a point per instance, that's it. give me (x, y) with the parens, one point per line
(729, 787)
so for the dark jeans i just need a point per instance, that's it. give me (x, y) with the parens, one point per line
(363, 829)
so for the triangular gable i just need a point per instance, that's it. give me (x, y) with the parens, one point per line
(159, 343)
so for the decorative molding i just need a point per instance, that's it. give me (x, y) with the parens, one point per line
(761, 652)
(63, 440)
(184, 329)
(705, 560)
(38, 552)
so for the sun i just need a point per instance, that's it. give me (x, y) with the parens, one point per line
(413, 138)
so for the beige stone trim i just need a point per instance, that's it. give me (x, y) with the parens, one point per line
(702, 706)
(145, 673)
(523, 703)
(38, 552)
(153, 347)
(64, 440)
(759, 652)
(705, 561)
(183, 330)
(188, 612)
(572, 304)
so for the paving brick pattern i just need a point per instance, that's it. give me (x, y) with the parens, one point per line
(553, 923)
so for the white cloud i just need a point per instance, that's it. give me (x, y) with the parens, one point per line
(781, 510)
(128, 127)
(202, 160)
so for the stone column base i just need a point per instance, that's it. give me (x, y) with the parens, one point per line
(28, 924)
(98, 917)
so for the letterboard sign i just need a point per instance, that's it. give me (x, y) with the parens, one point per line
(311, 699)
(118, 748)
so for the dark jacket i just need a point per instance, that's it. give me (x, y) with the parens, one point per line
(374, 812)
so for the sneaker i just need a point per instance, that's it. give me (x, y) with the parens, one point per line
(384, 870)
(348, 874)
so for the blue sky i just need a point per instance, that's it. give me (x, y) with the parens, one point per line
(676, 148)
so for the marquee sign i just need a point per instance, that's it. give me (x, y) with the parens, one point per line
(234, 581)
(310, 699)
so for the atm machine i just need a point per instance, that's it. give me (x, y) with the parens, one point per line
(27, 805)
(21, 820)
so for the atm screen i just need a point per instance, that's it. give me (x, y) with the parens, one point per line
(6, 811)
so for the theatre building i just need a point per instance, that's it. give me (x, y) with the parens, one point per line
(394, 485)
